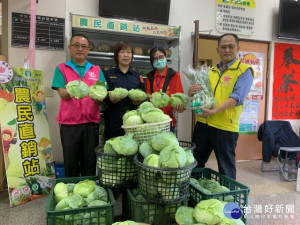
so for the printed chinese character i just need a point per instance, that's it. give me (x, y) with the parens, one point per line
(83, 22)
(136, 28)
(26, 131)
(24, 112)
(31, 167)
(288, 58)
(123, 27)
(29, 149)
(110, 25)
(287, 81)
(22, 95)
(98, 23)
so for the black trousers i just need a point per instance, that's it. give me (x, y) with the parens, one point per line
(223, 143)
(79, 143)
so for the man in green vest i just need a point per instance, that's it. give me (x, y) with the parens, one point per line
(218, 128)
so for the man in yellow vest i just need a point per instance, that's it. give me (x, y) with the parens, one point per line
(217, 129)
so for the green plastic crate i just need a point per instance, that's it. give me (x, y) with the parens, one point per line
(143, 211)
(92, 215)
(239, 191)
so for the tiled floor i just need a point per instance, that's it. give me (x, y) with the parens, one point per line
(272, 201)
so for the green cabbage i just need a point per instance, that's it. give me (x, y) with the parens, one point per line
(172, 156)
(162, 140)
(209, 211)
(60, 191)
(85, 187)
(179, 98)
(77, 88)
(125, 145)
(145, 149)
(98, 194)
(137, 95)
(118, 93)
(153, 115)
(108, 148)
(189, 157)
(160, 99)
(133, 120)
(129, 114)
(98, 91)
(152, 160)
(145, 105)
(184, 215)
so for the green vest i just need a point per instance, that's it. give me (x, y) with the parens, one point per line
(222, 88)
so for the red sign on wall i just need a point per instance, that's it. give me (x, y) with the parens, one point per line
(286, 86)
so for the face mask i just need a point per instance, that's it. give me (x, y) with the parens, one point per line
(160, 64)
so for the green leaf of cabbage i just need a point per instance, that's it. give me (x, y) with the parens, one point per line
(133, 120)
(125, 145)
(118, 93)
(172, 156)
(153, 115)
(128, 114)
(98, 91)
(209, 211)
(152, 160)
(145, 149)
(137, 95)
(184, 215)
(145, 105)
(162, 140)
(179, 98)
(60, 191)
(84, 188)
(77, 88)
(160, 99)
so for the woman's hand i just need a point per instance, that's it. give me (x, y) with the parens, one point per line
(180, 108)
(194, 89)
(136, 102)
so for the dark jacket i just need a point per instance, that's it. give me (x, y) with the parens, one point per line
(275, 134)
(114, 112)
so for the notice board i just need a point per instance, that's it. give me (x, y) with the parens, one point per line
(49, 31)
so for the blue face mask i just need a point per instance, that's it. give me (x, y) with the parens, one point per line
(160, 64)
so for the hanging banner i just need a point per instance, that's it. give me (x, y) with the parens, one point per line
(256, 60)
(125, 26)
(25, 134)
(286, 85)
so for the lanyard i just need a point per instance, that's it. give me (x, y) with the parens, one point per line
(158, 83)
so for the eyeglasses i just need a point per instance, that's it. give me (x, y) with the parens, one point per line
(224, 47)
(159, 58)
(77, 46)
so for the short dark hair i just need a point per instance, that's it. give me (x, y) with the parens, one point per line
(153, 51)
(229, 34)
(120, 46)
(79, 35)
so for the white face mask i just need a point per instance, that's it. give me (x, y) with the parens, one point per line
(160, 64)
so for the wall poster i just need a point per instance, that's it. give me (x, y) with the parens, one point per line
(286, 85)
(25, 134)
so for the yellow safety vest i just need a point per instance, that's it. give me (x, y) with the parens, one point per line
(222, 88)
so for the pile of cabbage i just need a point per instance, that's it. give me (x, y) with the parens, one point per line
(115, 166)
(146, 113)
(79, 195)
(149, 210)
(164, 152)
(79, 89)
(206, 212)
(204, 97)
(211, 186)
